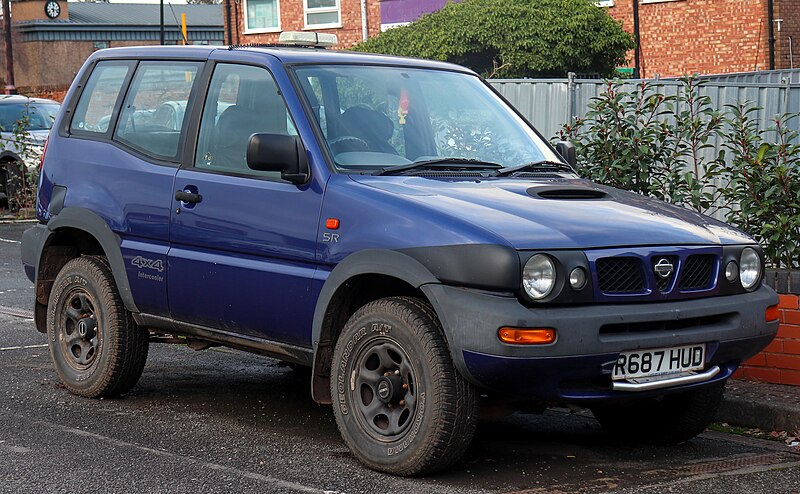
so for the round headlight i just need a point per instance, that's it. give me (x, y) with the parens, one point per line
(731, 271)
(539, 276)
(749, 268)
(577, 278)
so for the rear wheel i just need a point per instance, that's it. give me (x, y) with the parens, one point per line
(400, 405)
(669, 419)
(96, 347)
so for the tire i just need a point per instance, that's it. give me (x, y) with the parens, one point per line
(432, 426)
(9, 182)
(96, 348)
(670, 419)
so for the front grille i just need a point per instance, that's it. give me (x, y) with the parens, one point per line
(620, 275)
(697, 272)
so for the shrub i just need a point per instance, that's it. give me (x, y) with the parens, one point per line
(640, 140)
(513, 38)
(763, 177)
(21, 178)
(644, 141)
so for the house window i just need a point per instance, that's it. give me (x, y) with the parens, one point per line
(322, 13)
(262, 16)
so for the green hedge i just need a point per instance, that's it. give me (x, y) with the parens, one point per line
(513, 38)
(656, 145)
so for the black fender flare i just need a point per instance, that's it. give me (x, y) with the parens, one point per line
(89, 222)
(370, 261)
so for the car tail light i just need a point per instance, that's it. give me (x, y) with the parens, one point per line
(44, 151)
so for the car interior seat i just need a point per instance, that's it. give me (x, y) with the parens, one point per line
(258, 109)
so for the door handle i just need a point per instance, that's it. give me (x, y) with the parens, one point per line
(187, 197)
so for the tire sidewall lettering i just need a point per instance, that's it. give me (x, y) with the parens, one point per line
(412, 434)
(343, 371)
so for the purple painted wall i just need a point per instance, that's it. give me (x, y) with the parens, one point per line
(394, 11)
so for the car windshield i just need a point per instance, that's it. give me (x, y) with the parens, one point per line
(378, 117)
(40, 115)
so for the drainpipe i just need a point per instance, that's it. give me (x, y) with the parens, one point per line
(228, 20)
(771, 20)
(161, 22)
(364, 25)
(637, 39)
(10, 88)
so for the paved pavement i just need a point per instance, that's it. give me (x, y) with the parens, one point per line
(228, 421)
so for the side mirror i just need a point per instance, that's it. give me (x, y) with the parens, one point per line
(278, 153)
(567, 151)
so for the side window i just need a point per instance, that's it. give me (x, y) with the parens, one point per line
(152, 116)
(242, 100)
(94, 109)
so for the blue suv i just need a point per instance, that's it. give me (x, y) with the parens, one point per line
(395, 225)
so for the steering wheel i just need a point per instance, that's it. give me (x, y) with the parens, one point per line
(343, 144)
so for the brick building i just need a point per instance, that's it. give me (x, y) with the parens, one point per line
(262, 21)
(711, 36)
(676, 36)
(49, 51)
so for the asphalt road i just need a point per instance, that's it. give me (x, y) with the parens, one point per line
(228, 421)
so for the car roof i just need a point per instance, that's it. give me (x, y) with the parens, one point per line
(289, 55)
(6, 99)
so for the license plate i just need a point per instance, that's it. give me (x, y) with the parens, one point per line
(659, 362)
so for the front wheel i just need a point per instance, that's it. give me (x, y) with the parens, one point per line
(96, 347)
(669, 419)
(399, 403)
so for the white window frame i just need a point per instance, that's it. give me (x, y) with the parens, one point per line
(276, 29)
(322, 10)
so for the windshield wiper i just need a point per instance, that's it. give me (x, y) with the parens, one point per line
(442, 164)
(546, 165)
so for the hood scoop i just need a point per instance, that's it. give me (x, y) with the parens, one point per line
(567, 193)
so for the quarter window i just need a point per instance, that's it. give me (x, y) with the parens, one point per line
(262, 16)
(322, 13)
(242, 100)
(94, 109)
(153, 113)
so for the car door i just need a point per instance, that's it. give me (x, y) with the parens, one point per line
(242, 252)
(120, 164)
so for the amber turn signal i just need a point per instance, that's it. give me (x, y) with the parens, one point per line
(527, 336)
(773, 314)
(332, 223)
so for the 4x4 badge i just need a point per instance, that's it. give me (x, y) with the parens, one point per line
(663, 268)
(144, 263)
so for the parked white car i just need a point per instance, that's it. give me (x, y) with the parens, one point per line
(40, 116)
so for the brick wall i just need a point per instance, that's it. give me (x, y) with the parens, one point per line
(706, 36)
(780, 362)
(291, 19)
(789, 12)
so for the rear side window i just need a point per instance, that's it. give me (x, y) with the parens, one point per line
(153, 114)
(93, 113)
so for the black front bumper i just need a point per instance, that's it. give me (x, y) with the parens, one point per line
(577, 366)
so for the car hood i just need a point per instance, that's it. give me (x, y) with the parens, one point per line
(561, 213)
